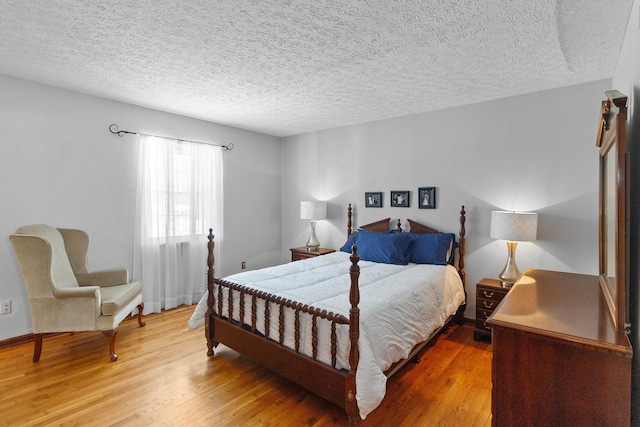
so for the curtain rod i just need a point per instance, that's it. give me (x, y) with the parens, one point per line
(116, 131)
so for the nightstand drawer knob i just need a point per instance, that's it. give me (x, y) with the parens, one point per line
(487, 304)
(487, 294)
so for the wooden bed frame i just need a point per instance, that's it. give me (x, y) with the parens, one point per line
(335, 385)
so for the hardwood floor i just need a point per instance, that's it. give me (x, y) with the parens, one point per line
(163, 377)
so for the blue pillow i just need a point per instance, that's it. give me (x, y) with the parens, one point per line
(432, 248)
(351, 240)
(388, 248)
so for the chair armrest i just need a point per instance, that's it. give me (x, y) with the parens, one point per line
(103, 278)
(86, 292)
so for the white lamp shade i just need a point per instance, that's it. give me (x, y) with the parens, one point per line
(514, 226)
(313, 210)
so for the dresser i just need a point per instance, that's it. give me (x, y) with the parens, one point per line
(302, 253)
(557, 360)
(489, 293)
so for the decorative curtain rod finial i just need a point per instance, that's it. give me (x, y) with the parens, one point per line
(114, 130)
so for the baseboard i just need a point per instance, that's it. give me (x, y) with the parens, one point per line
(24, 339)
(12, 342)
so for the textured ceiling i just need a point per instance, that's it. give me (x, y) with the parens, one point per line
(284, 67)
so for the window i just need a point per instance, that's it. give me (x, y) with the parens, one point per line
(179, 187)
(179, 198)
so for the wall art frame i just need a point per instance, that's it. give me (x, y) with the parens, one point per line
(373, 199)
(427, 197)
(400, 199)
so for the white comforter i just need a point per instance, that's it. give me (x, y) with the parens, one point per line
(400, 306)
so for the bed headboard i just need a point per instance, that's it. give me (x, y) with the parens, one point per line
(378, 226)
(416, 227)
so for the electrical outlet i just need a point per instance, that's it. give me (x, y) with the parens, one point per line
(244, 264)
(5, 307)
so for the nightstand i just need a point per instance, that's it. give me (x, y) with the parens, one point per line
(489, 293)
(302, 253)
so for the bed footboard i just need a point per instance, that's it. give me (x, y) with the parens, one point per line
(232, 319)
(270, 306)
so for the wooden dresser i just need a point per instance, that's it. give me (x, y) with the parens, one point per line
(557, 360)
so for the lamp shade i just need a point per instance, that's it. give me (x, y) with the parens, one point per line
(514, 226)
(313, 210)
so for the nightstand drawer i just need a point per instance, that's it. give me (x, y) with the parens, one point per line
(298, 254)
(489, 293)
(486, 304)
(481, 317)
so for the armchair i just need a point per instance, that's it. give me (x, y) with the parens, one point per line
(63, 295)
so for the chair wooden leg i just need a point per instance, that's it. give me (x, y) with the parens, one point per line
(140, 308)
(111, 336)
(37, 347)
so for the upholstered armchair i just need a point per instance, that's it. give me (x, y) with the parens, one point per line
(63, 295)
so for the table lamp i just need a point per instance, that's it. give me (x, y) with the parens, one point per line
(513, 227)
(313, 211)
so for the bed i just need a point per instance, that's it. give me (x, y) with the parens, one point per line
(305, 320)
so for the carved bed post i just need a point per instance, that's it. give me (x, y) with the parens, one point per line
(461, 243)
(459, 316)
(210, 275)
(349, 220)
(351, 406)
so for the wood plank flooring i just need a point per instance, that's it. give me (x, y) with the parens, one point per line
(163, 377)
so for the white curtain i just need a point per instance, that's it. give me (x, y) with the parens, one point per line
(179, 198)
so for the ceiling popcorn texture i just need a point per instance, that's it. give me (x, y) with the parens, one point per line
(285, 67)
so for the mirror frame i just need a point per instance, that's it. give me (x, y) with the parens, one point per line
(614, 206)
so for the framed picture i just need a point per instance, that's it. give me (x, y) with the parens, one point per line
(400, 199)
(373, 200)
(427, 197)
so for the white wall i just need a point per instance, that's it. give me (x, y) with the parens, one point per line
(626, 79)
(533, 152)
(60, 165)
